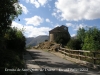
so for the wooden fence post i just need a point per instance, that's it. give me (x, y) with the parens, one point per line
(79, 55)
(94, 60)
(65, 51)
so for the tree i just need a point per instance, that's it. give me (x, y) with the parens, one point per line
(92, 39)
(15, 39)
(9, 10)
(81, 35)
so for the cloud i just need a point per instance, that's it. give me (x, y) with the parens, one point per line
(27, 1)
(35, 21)
(31, 31)
(55, 15)
(57, 25)
(75, 10)
(47, 20)
(73, 35)
(69, 24)
(15, 24)
(42, 2)
(76, 27)
(49, 6)
(37, 3)
(24, 9)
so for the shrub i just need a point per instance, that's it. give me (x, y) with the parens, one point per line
(15, 40)
(74, 44)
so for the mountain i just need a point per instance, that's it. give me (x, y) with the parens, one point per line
(31, 41)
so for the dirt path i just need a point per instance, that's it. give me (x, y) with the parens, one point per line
(54, 65)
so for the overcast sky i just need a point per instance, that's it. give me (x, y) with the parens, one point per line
(40, 16)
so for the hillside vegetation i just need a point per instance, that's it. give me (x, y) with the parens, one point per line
(12, 40)
(87, 39)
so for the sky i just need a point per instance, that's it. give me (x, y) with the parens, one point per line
(40, 16)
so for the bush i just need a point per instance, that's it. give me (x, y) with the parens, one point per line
(62, 38)
(15, 40)
(12, 52)
(74, 44)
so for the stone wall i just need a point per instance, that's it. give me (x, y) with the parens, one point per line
(51, 36)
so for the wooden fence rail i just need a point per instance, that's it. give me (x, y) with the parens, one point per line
(80, 54)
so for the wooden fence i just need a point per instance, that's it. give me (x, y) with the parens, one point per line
(93, 57)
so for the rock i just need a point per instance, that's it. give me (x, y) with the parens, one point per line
(55, 47)
(50, 46)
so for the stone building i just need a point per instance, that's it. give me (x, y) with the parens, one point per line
(58, 31)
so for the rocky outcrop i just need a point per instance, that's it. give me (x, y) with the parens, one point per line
(51, 46)
(55, 47)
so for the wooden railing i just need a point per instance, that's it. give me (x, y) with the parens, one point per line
(93, 57)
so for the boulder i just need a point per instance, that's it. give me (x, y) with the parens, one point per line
(55, 47)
